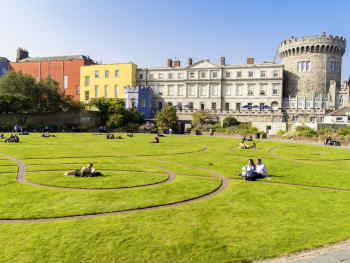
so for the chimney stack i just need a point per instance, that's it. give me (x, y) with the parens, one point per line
(222, 61)
(21, 54)
(177, 63)
(250, 60)
(190, 61)
(170, 63)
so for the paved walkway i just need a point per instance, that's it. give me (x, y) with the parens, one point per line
(336, 253)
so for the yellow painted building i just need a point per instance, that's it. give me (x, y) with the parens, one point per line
(106, 80)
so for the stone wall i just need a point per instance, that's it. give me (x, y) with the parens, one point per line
(61, 120)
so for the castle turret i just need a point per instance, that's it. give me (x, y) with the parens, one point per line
(311, 63)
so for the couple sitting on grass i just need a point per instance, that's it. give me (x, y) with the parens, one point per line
(111, 136)
(252, 171)
(12, 138)
(86, 171)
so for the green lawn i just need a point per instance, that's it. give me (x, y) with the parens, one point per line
(248, 220)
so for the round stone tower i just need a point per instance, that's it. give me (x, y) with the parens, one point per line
(310, 63)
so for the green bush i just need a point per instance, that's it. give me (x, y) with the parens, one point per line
(230, 121)
(324, 131)
(305, 131)
(281, 132)
(343, 131)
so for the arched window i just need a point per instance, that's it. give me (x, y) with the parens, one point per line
(190, 105)
(202, 106)
(274, 105)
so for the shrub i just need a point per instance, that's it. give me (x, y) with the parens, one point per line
(324, 131)
(343, 131)
(305, 131)
(281, 132)
(230, 121)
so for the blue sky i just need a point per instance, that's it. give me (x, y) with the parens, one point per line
(149, 32)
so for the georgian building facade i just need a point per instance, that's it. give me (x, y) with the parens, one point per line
(215, 88)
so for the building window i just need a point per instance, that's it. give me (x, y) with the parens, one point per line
(213, 105)
(106, 91)
(96, 91)
(65, 82)
(304, 66)
(160, 106)
(179, 106)
(239, 90)
(116, 91)
(262, 91)
(170, 104)
(227, 106)
(116, 73)
(262, 74)
(239, 74)
(275, 90)
(171, 90)
(250, 106)
(180, 90)
(203, 75)
(334, 66)
(250, 74)
(192, 75)
(275, 74)
(190, 105)
(179, 75)
(170, 75)
(250, 90)
(227, 90)
(214, 75)
(140, 76)
(228, 74)
(262, 106)
(191, 91)
(87, 81)
(238, 106)
(214, 90)
(202, 91)
(151, 76)
(87, 95)
(106, 74)
(160, 75)
(77, 91)
(97, 73)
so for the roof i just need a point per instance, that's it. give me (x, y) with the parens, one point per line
(56, 58)
(341, 112)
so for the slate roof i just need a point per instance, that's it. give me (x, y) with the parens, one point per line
(55, 58)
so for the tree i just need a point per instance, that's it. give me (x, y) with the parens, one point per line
(230, 121)
(107, 107)
(14, 103)
(200, 118)
(42, 96)
(167, 118)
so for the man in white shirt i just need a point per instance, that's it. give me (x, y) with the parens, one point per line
(260, 169)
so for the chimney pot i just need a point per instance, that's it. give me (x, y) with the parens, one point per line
(250, 60)
(222, 61)
(190, 61)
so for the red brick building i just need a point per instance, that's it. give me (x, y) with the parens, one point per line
(64, 69)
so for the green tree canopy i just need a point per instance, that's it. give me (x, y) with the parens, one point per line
(167, 118)
(33, 95)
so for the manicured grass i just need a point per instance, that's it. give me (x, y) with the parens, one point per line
(248, 220)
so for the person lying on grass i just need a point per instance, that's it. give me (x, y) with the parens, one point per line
(86, 171)
(243, 145)
(47, 135)
(12, 138)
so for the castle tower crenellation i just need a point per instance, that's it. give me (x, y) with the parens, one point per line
(310, 63)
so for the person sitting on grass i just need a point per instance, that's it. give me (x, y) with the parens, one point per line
(248, 170)
(260, 169)
(130, 135)
(86, 171)
(155, 140)
(2, 136)
(12, 138)
(110, 136)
